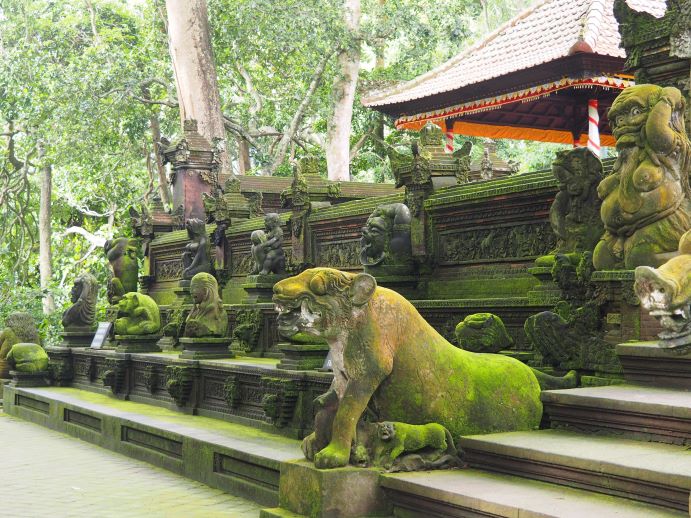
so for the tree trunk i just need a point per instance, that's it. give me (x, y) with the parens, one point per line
(195, 70)
(45, 261)
(244, 162)
(338, 138)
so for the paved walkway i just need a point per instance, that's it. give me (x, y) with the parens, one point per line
(52, 475)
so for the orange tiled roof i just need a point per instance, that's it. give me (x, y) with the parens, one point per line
(545, 32)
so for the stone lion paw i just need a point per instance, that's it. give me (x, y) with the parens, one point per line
(308, 446)
(332, 457)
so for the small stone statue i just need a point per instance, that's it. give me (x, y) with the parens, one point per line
(208, 317)
(386, 237)
(666, 293)
(483, 333)
(19, 327)
(645, 201)
(462, 157)
(138, 314)
(122, 258)
(575, 212)
(486, 166)
(82, 313)
(267, 247)
(195, 258)
(27, 358)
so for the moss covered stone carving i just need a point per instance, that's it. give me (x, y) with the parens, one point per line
(122, 259)
(138, 314)
(666, 293)
(267, 247)
(19, 327)
(195, 258)
(387, 356)
(27, 358)
(385, 246)
(82, 313)
(207, 318)
(482, 333)
(575, 213)
(645, 207)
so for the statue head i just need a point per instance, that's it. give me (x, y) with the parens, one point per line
(272, 220)
(258, 237)
(23, 326)
(195, 227)
(386, 236)
(204, 289)
(577, 170)
(320, 300)
(83, 295)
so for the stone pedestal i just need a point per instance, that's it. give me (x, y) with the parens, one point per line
(259, 288)
(30, 379)
(205, 348)
(77, 337)
(302, 357)
(648, 363)
(137, 343)
(547, 292)
(333, 493)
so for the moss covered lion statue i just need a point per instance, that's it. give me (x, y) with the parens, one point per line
(388, 358)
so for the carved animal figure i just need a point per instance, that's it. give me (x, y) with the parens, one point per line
(122, 258)
(82, 313)
(646, 206)
(26, 357)
(482, 333)
(395, 439)
(19, 327)
(575, 213)
(208, 317)
(267, 247)
(386, 236)
(387, 356)
(195, 258)
(138, 314)
(666, 293)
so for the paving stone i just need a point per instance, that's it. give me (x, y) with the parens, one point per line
(52, 475)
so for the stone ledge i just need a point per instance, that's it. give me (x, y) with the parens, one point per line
(646, 362)
(238, 459)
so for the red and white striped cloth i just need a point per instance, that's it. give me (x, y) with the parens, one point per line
(593, 130)
(449, 142)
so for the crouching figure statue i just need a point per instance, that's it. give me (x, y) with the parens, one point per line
(387, 357)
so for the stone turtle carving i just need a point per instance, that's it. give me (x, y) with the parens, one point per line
(666, 293)
(82, 313)
(645, 207)
(138, 314)
(195, 258)
(207, 318)
(386, 238)
(387, 356)
(267, 247)
(19, 327)
(122, 259)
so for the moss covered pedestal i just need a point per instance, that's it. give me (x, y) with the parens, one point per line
(30, 379)
(302, 357)
(205, 348)
(182, 292)
(137, 343)
(259, 288)
(333, 493)
(547, 292)
(77, 336)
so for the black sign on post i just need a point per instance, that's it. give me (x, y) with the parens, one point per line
(101, 335)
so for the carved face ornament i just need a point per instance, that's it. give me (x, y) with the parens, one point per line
(656, 295)
(373, 242)
(627, 118)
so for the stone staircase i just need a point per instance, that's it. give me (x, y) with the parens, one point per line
(619, 450)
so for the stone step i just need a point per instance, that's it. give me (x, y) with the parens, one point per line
(648, 472)
(473, 493)
(647, 363)
(634, 411)
(238, 459)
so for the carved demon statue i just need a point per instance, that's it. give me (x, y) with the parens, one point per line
(385, 241)
(82, 312)
(19, 327)
(208, 317)
(138, 314)
(645, 207)
(387, 358)
(195, 258)
(124, 268)
(666, 293)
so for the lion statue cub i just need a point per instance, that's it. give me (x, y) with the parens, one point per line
(387, 358)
